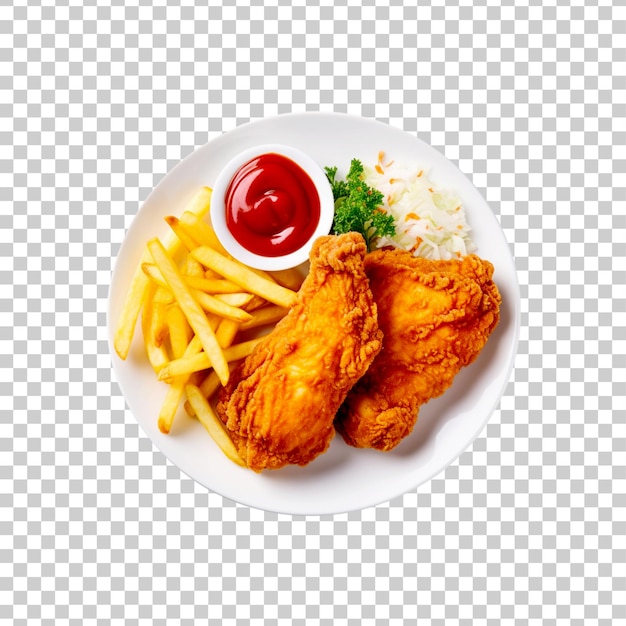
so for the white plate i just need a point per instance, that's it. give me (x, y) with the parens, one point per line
(344, 478)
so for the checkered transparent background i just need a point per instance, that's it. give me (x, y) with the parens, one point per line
(98, 102)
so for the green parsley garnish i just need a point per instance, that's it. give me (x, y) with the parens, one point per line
(358, 207)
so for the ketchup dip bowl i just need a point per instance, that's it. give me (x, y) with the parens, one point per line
(269, 204)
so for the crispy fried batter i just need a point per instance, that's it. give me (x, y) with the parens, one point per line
(279, 405)
(436, 317)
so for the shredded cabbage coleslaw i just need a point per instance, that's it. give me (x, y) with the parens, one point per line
(430, 222)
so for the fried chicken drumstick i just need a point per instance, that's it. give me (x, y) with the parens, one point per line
(280, 403)
(436, 317)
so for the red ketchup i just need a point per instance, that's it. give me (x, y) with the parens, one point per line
(272, 206)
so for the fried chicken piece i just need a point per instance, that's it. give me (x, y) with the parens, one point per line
(279, 405)
(436, 317)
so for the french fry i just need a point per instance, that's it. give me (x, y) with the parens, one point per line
(190, 307)
(226, 332)
(225, 305)
(208, 285)
(202, 361)
(228, 329)
(183, 346)
(136, 295)
(213, 275)
(267, 315)
(135, 299)
(241, 350)
(245, 277)
(163, 296)
(159, 328)
(156, 354)
(207, 417)
(256, 303)
(194, 346)
(214, 320)
(205, 236)
(216, 305)
(291, 278)
(212, 285)
(200, 204)
(181, 232)
(203, 232)
(154, 274)
(170, 404)
(239, 299)
(175, 392)
(209, 385)
(185, 366)
(179, 330)
(193, 269)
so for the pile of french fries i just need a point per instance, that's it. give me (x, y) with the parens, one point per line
(195, 301)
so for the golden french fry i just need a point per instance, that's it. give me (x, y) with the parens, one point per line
(203, 232)
(199, 282)
(214, 320)
(172, 397)
(185, 366)
(163, 296)
(242, 275)
(135, 298)
(200, 203)
(213, 275)
(182, 232)
(226, 332)
(226, 305)
(195, 378)
(190, 307)
(227, 328)
(241, 350)
(154, 274)
(290, 278)
(202, 361)
(193, 269)
(179, 330)
(209, 385)
(159, 327)
(256, 303)
(207, 417)
(215, 305)
(212, 285)
(176, 389)
(205, 236)
(194, 346)
(239, 299)
(170, 404)
(267, 315)
(156, 354)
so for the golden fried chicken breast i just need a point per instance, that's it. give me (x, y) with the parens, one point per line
(436, 317)
(280, 403)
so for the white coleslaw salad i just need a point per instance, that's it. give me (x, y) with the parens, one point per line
(430, 221)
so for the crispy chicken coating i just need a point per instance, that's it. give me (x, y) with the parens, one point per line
(280, 403)
(436, 317)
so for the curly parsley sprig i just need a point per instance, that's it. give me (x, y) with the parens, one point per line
(358, 207)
